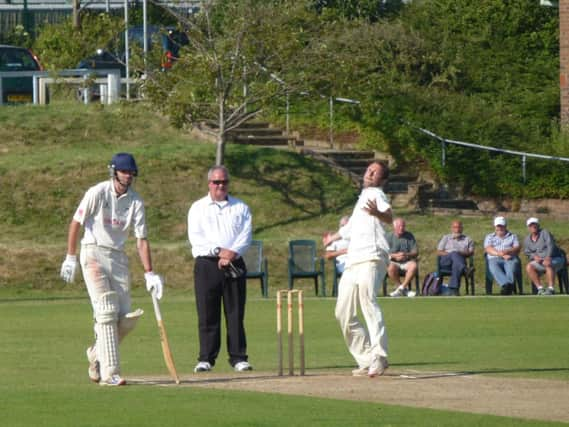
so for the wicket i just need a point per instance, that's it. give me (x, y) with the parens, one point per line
(290, 294)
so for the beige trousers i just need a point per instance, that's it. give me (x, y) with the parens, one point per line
(360, 284)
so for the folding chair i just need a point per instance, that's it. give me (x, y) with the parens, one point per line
(303, 263)
(257, 265)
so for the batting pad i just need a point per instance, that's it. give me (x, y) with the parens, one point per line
(128, 322)
(106, 315)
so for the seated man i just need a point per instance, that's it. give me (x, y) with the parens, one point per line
(453, 249)
(502, 248)
(402, 257)
(338, 249)
(544, 257)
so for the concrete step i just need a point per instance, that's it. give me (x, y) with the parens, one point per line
(463, 204)
(247, 132)
(350, 155)
(253, 125)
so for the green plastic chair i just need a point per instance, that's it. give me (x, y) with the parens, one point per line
(304, 263)
(257, 265)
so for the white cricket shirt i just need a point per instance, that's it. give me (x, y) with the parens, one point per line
(107, 218)
(365, 232)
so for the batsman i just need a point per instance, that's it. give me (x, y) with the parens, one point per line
(107, 211)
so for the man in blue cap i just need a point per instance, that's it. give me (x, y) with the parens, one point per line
(107, 211)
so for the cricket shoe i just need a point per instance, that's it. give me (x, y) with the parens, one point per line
(114, 380)
(541, 291)
(399, 292)
(203, 367)
(94, 370)
(378, 366)
(360, 372)
(549, 291)
(242, 366)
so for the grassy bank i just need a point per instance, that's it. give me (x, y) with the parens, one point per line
(51, 155)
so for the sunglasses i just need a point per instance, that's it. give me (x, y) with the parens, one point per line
(220, 181)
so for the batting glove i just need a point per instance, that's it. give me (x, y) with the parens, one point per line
(68, 268)
(154, 284)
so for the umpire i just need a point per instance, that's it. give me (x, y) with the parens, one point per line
(219, 230)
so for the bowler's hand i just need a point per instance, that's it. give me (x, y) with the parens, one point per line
(371, 208)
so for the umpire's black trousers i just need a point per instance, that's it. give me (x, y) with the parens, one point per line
(211, 289)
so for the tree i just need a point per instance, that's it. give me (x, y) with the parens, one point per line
(241, 56)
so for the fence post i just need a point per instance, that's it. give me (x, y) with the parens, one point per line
(113, 87)
(443, 152)
(524, 169)
(331, 137)
(287, 116)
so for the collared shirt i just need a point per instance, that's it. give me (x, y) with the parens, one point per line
(449, 243)
(508, 241)
(107, 218)
(404, 243)
(226, 224)
(365, 231)
(543, 247)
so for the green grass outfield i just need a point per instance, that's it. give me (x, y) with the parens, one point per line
(43, 379)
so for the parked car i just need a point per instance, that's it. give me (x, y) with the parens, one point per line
(17, 59)
(113, 57)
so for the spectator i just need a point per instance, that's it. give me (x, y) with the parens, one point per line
(502, 248)
(453, 249)
(402, 257)
(338, 249)
(543, 255)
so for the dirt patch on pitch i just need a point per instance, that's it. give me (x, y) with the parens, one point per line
(466, 392)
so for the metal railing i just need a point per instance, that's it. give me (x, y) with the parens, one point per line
(524, 156)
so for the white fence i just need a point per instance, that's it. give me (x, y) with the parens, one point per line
(109, 83)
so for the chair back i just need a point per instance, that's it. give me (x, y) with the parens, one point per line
(254, 257)
(302, 254)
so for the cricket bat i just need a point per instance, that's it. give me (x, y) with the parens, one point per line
(164, 341)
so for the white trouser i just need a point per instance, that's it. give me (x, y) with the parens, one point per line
(106, 275)
(361, 283)
(106, 270)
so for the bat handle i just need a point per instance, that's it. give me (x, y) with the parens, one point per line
(156, 307)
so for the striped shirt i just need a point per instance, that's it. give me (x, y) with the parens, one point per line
(508, 241)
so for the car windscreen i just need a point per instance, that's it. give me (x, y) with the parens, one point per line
(17, 60)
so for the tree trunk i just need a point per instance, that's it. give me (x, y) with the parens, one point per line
(220, 153)
(76, 16)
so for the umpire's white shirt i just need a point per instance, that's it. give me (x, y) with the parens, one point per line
(226, 224)
(365, 231)
(107, 218)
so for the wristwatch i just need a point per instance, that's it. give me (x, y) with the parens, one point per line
(216, 251)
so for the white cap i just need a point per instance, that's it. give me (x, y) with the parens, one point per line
(532, 220)
(499, 220)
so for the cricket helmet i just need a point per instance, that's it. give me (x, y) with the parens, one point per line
(123, 162)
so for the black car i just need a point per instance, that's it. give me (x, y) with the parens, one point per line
(17, 59)
(170, 40)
